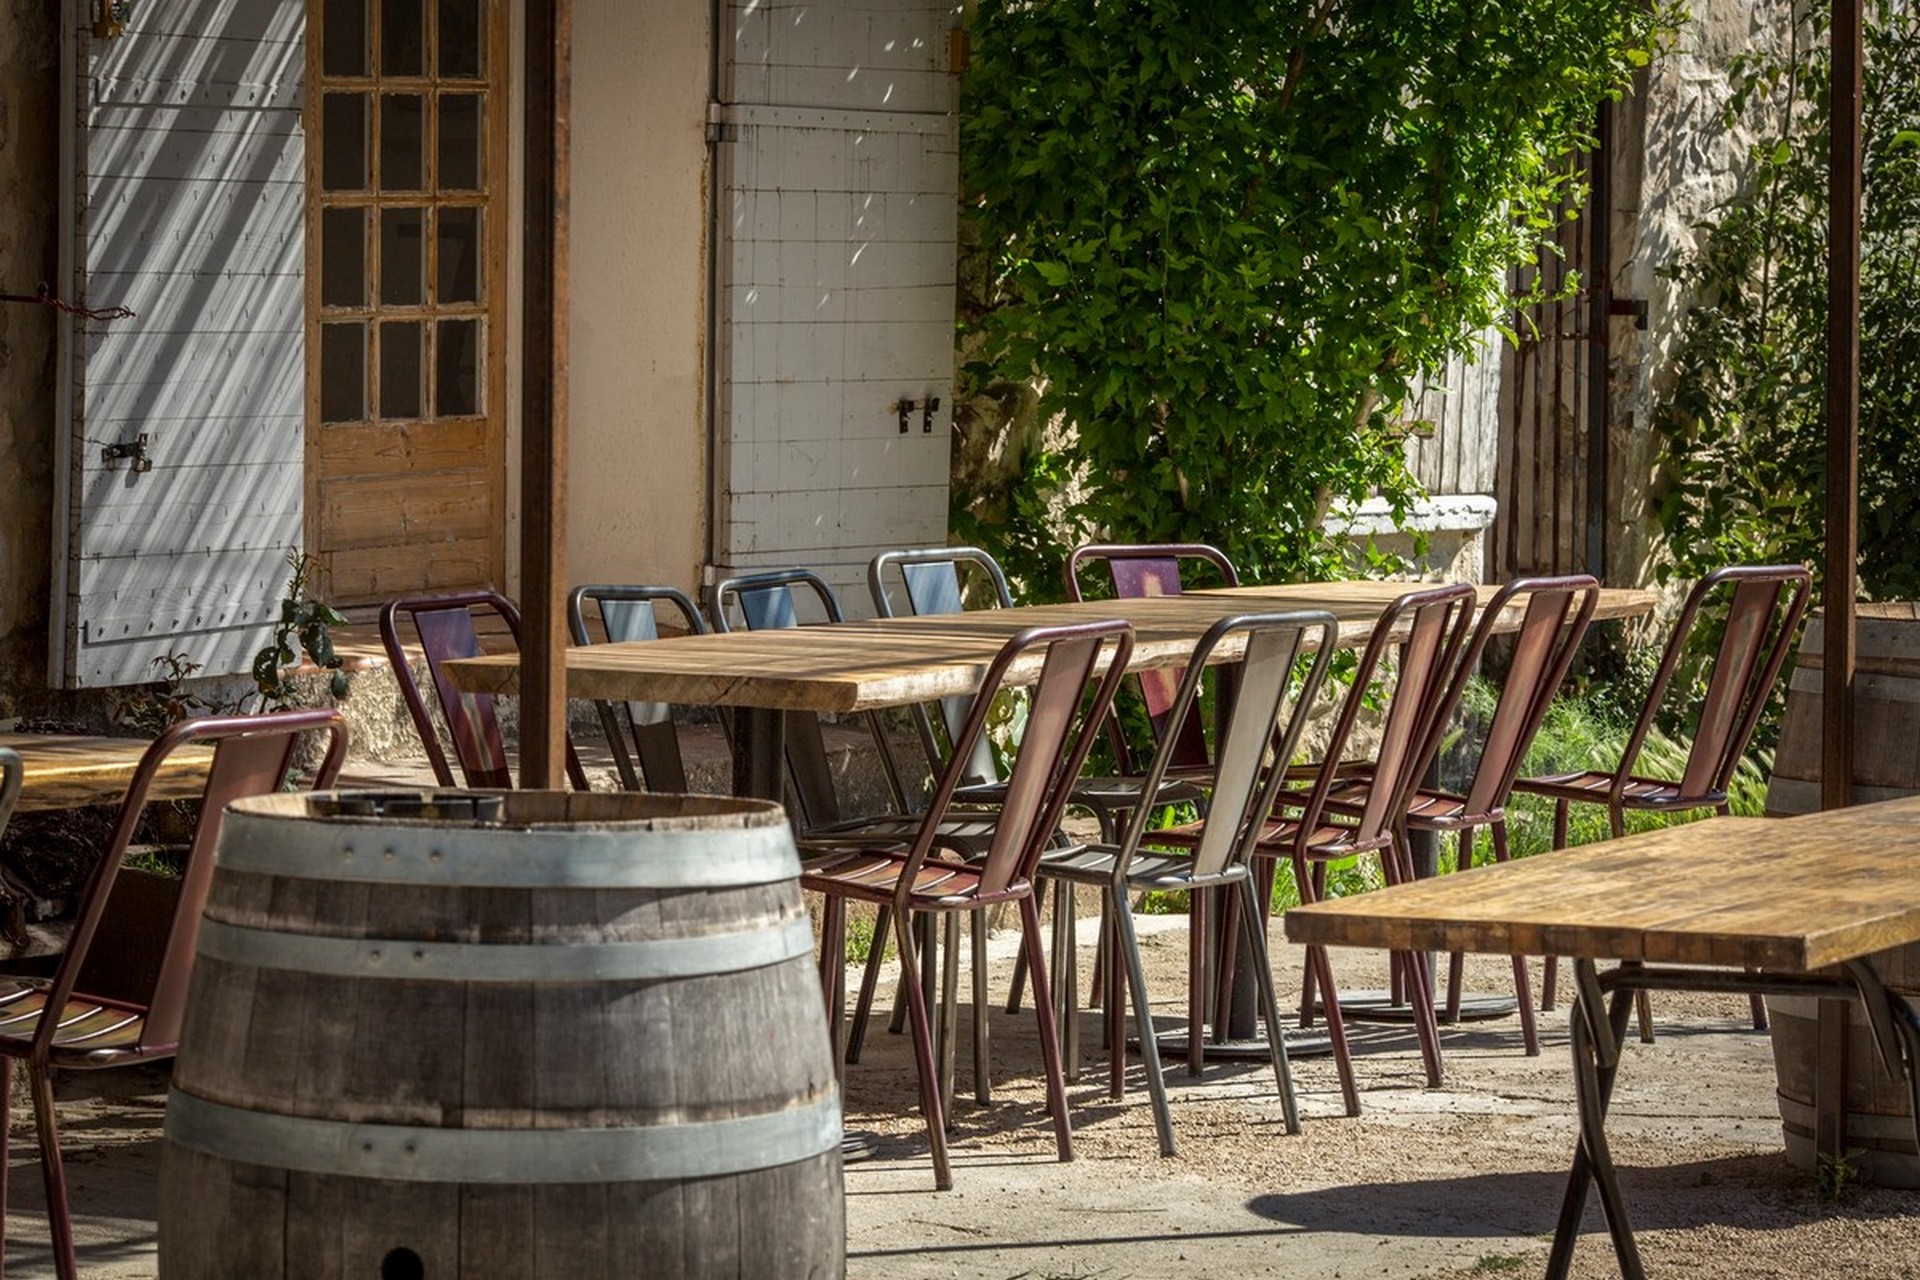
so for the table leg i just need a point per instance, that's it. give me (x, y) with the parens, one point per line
(759, 751)
(1596, 1061)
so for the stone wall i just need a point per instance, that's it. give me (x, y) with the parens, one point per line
(29, 150)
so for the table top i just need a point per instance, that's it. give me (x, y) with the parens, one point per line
(71, 771)
(859, 666)
(1784, 894)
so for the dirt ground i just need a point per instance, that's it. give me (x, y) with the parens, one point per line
(1437, 1184)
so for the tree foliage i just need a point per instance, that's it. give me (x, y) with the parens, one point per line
(1745, 424)
(1223, 238)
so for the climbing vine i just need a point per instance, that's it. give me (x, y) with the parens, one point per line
(1216, 242)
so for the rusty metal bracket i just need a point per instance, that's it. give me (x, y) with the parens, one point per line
(136, 449)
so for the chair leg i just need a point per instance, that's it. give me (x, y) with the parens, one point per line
(1127, 943)
(1020, 959)
(1114, 1007)
(1456, 962)
(982, 1075)
(1321, 970)
(1049, 1028)
(923, 1060)
(1522, 985)
(869, 983)
(1270, 1006)
(949, 1008)
(1197, 980)
(1066, 965)
(833, 976)
(1550, 976)
(59, 1220)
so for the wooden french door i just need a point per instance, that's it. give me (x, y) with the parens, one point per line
(406, 122)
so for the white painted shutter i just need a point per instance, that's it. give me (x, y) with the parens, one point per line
(188, 171)
(838, 171)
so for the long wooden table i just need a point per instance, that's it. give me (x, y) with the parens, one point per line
(864, 666)
(1801, 906)
(71, 771)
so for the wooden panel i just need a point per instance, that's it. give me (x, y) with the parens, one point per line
(380, 573)
(190, 159)
(1462, 406)
(353, 450)
(1785, 894)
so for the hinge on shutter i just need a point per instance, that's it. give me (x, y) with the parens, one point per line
(716, 121)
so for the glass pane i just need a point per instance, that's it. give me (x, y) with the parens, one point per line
(460, 40)
(403, 142)
(456, 383)
(344, 38)
(343, 372)
(459, 263)
(403, 38)
(461, 144)
(401, 367)
(343, 257)
(403, 257)
(343, 142)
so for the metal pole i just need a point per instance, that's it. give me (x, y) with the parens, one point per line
(1843, 404)
(543, 419)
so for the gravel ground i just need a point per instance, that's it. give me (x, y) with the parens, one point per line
(1442, 1184)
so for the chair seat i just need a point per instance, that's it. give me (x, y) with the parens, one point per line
(967, 837)
(1594, 787)
(873, 875)
(1093, 864)
(92, 1033)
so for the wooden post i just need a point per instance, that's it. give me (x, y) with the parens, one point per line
(543, 418)
(1843, 404)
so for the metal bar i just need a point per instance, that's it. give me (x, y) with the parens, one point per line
(543, 410)
(1830, 1081)
(1596, 1062)
(1843, 404)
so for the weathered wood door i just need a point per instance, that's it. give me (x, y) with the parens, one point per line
(405, 295)
(181, 427)
(838, 172)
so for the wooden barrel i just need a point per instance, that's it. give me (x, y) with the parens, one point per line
(1886, 712)
(583, 1039)
(1886, 766)
(1879, 1113)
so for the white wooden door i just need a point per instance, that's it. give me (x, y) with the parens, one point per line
(186, 163)
(838, 169)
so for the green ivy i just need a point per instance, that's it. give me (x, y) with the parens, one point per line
(1745, 424)
(1222, 239)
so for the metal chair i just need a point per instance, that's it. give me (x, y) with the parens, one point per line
(1556, 614)
(51, 1024)
(444, 627)
(1250, 769)
(1079, 669)
(1312, 830)
(1763, 607)
(636, 731)
(766, 601)
(1155, 569)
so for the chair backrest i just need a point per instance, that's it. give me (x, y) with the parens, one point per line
(1155, 569)
(1555, 618)
(929, 581)
(766, 601)
(1430, 628)
(445, 628)
(628, 613)
(1080, 668)
(1271, 707)
(253, 755)
(1754, 643)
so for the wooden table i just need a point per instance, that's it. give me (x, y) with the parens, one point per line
(71, 771)
(864, 666)
(1797, 906)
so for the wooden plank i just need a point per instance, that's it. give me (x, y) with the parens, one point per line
(1784, 894)
(67, 771)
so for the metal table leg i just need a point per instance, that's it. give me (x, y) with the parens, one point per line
(1596, 1061)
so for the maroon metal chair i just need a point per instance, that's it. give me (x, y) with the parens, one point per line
(444, 626)
(1313, 829)
(1260, 736)
(1079, 669)
(52, 1024)
(1556, 614)
(1763, 607)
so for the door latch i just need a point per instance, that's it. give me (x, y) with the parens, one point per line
(136, 449)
